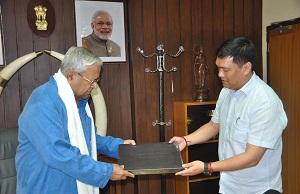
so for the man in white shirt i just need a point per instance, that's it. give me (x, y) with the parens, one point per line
(249, 118)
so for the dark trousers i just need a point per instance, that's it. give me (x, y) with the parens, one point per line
(271, 191)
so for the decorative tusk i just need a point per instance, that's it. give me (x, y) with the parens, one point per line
(100, 111)
(14, 66)
(55, 54)
(98, 100)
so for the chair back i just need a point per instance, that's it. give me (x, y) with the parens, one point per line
(8, 146)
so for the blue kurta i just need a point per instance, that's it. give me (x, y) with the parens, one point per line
(46, 162)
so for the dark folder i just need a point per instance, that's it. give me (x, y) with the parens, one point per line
(150, 158)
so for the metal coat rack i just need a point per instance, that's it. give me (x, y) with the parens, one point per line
(160, 68)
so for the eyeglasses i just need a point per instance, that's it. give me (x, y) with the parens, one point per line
(91, 82)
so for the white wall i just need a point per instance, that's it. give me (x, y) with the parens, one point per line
(275, 11)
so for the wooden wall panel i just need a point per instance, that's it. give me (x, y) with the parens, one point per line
(26, 45)
(208, 40)
(256, 37)
(229, 18)
(191, 22)
(10, 97)
(19, 41)
(216, 39)
(185, 80)
(130, 93)
(198, 22)
(283, 77)
(238, 14)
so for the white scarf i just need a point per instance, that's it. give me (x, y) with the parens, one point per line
(75, 130)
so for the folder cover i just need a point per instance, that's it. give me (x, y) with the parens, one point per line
(150, 158)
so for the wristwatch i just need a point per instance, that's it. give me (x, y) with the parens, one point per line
(206, 171)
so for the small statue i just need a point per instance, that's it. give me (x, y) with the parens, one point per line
(200, 75)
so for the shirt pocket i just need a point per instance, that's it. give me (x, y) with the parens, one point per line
(240, 130)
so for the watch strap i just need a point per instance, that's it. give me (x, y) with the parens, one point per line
(206, 171)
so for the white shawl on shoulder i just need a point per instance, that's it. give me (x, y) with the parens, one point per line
(75, 130)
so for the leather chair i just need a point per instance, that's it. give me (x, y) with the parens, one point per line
(8, 145)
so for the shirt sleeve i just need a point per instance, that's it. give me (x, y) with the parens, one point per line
(216, 116)
(267, 123)
(108, 145)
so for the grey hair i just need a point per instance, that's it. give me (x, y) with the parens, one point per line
(78, 59)
(101, 12)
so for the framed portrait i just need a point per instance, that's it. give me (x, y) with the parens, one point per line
(100, 28)
(1, 41)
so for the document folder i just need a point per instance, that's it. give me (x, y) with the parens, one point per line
(150, 158)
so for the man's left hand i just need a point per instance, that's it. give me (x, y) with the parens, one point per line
(130, 141)
(192, 168)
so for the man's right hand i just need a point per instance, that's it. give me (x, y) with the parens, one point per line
(181, 142)
(119, 173)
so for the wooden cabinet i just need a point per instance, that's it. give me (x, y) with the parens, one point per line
(188, 117)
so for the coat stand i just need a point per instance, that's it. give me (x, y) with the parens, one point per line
(161, 69)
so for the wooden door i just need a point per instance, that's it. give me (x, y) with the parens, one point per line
(283, 77)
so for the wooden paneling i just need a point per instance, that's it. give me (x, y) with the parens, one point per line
(10, 98)
(19, 41)
(130, 93)
(191, 22)
(283, 77)
(186, 23)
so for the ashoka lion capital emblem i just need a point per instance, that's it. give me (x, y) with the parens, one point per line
(41, 22)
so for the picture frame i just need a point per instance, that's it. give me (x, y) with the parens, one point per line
(2, 58)
(84, 11)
